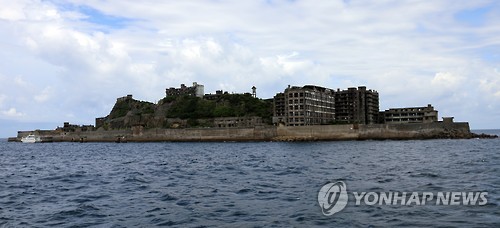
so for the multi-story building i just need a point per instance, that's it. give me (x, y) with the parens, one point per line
(410, 115)
(125, 98)
(307, 105)
(279, 110)
(356, 105)
(195, 90)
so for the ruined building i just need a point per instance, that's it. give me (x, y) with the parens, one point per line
(218, 94)
(356, 105)
(409, 115)
(307, 105)
(195, 90)
(313, 105)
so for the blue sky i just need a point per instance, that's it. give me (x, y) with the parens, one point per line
(476, 16)
(70, 60)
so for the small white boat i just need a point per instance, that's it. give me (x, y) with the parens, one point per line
(31, 138)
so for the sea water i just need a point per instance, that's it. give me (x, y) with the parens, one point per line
(251, 184)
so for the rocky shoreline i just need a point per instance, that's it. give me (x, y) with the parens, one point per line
(483, 136)
(452, 134)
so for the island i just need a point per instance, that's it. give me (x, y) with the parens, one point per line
(299, 113)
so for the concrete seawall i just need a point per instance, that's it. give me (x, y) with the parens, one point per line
(415, 131)
(317, 132)
(269, 133)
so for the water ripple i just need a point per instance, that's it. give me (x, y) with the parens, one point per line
(240, 184)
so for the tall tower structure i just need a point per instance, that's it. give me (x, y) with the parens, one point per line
(254, 91)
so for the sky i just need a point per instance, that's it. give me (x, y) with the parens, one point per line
(69, 60)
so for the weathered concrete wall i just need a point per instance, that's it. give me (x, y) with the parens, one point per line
(197, 134)
(269, 133)
(414, 131)
(317, 132)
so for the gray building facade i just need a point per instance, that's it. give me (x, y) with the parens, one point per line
(301, 106)
(356, 106)
(410, 115)
(195, 90)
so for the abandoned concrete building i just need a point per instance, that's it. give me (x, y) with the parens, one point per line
(356, 105)
(410, 115)
(307, 105)
(124, 98)
(218, 94)
(313, 105)
(67, 127)
(195, 90)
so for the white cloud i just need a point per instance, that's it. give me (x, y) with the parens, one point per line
(12, 112)
(44, 95)
(14, 12)
(285, 64)
(19, 81)
(446, 80)
(490, 86)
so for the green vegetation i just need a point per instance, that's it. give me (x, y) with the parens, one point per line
(122, 107)
(146, 108)
(168, 99)
(194, 111)
(228, 105)
(188, 107)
